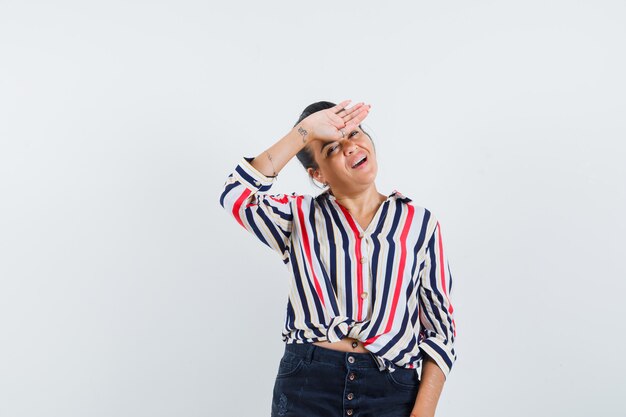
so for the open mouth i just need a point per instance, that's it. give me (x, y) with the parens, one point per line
(360, 162)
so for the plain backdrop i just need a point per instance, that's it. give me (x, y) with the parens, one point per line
(125, 288)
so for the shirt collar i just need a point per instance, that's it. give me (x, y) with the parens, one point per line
(399, 196)
(394, 195)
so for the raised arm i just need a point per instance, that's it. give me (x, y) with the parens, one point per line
(323, 125)
(270, 217)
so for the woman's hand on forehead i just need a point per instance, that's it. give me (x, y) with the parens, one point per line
(336, 122)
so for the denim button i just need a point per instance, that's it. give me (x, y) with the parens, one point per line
(351, 376)
(351, 359)
(349, 411)
(350, 396)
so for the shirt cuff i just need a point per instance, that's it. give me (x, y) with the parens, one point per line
(250, 177)
(443, 355)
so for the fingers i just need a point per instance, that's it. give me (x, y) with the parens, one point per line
(345, 119)
(345, 111)
(337, 112)
(344, 115)
(336, 121)
(353, 108)
(357, 117)
(340, 106)
(352, 112)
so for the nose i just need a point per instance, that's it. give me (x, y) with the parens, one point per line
(349, 147)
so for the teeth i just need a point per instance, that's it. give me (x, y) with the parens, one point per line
(357, 162)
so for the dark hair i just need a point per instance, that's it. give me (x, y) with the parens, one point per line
(305, 156)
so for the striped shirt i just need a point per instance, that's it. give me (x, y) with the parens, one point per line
(387, 286)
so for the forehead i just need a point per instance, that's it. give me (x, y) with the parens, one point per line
(320, 145)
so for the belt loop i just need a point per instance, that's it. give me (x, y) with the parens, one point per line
(380, 362)
(309, 353)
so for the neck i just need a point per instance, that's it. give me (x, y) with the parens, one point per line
(361, 201)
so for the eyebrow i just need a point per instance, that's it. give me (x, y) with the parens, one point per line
(330, 143)
(327, 144)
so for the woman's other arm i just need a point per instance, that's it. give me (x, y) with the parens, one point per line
(438, 325)
(430, 389)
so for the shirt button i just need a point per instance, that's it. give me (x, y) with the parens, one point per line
(361, 235)
(257, 183)
(349, 411)
(363, 259)
(350, 396)
(364, 295)
(351, 376)
(351, 359)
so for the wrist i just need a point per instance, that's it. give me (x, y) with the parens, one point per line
(304, 132)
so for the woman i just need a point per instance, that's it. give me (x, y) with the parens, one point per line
(369, 328)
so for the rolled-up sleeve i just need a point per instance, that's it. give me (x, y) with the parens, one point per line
(438, 329)
(268, 216)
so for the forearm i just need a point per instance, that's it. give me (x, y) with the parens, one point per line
(273, 159)
(430, 389)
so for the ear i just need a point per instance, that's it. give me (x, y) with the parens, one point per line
(316, 175)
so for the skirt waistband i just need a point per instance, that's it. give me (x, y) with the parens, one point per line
(310, 351)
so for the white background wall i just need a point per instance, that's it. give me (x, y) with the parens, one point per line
(126, 290)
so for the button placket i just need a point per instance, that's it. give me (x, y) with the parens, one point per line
(366, 273)
(350, 387)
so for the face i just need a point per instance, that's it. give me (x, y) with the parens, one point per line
(336, 161)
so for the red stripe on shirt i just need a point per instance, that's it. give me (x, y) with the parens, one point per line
(401, 265)
(403, 251)
(443, 268)
(358, 255)
(283, 200)
(244, 195)
(307, 249)
(443, 274)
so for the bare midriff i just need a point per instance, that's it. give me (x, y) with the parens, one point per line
(347, 344)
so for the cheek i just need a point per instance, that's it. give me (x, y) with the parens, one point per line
(336, 168)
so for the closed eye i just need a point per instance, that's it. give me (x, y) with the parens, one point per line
(332, 148)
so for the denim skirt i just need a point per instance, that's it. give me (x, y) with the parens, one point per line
(313, 381)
